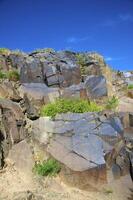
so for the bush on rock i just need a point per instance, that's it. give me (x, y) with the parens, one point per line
(50, 167)
(67, 105)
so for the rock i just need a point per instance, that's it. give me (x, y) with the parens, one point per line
(14, 107)
(39, 133)
(31, 72)
(94, 65)
(22, 157)
(125, 105)
(35, 95)
(66, 156)
(27, 195)
(17, 59)
(91, 179)
(80, 142)
(74, 92)
(130, 94)
(55, 69)
(7, 90)
(96, 86)
(12, 128)
(3, 63)
(116, 170)
(89, 148)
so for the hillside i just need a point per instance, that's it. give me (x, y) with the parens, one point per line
(68, 117)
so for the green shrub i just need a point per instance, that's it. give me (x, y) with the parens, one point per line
(4, 51)
(67, 105)
(13, 75)
(130, 87)
(112, 103)
(3, 75)
(50, 167)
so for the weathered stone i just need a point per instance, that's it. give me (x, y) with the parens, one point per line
(73, 92)
(21, 156)
(14, 107)
(125, 105)
(39, 133)
(67, 157)
(90, 179)
(90, 148)
(51, 68)
(96, 86)
(35, 96)
(8, 91)
(50, 126)
(130, 94)
(116, 170)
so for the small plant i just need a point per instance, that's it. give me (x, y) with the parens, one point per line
(3, 75)
(4, 51)
(50, 167)
(13, 75)
(108, 191)
(130, 87)
(81, 60)
(112, 103)
(68, 105)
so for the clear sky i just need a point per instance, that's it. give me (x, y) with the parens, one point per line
(105, 26)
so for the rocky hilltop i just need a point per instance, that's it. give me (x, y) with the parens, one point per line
(89, 140)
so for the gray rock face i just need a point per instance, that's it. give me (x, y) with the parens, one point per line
(55, 69)
(31, 72)
(80, 141)
(96, 86)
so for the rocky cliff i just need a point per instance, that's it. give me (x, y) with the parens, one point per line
(86, 144)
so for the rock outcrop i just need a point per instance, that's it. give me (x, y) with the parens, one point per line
(80, 142)
(86, 144)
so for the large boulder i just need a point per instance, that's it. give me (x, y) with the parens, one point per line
(80, 142)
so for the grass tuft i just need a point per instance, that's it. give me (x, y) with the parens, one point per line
(130, 87)
(50, 167)
(67, 105)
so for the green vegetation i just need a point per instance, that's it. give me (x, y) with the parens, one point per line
(112, 103)
(108, 191)
(45, 50)
(68, 105)
(81, 60)
(130, 87)
(4, 51)
(12, 75)
(50, 167)
(3, 75)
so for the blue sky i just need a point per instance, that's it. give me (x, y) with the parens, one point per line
(104, 26)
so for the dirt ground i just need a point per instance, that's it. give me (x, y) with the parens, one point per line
(12, 184)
